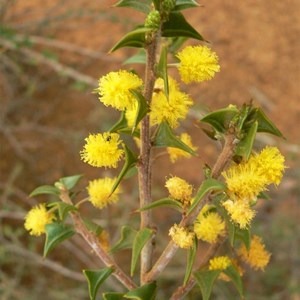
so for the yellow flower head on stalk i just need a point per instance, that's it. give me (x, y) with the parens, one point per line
(169, 110)
(114, 89)
(219, 263)
(240, 212)
(176, 153)
(270, 164)
(37, 218)
(243, 181)
(179, 189)
(197, 64)
(257, 257)
(102, 150)
(99, 191)
(181, 236)
(208, 227)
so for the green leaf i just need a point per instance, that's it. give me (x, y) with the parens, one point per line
(163, 69)
(63, 209)
(143, 6)
(143, 107)
(122, 126)
(245, 146)
(168, 202)
(145, 292)
(113, 296)
(177, 26)
(265, 124)
(130, 162)
(70, 181)
(166, 138)
(45, 189)
(126, 240)
(55, 234)
(206, 186)
(191, 255)
(139, 242)
(95, 279)
(243, 235)
(264, 196)
(139, 58)
(135, 38)
(220, 119)
(205, 280)
(92, 226)
(184, 4)
(234, 275)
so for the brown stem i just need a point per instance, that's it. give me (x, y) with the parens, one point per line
(170, 250)
(145, 154)
(94, 243)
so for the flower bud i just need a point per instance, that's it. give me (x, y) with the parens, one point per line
(168, 5)
(153, 20)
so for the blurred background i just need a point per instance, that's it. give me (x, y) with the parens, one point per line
(51, 56)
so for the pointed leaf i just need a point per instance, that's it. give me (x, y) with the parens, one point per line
(139, 242)
(70, 181)
(177, 42)
(145, 292)
(244, 236)
(166, 138)
(143, 107)
(234, 275)
(245, 146)
(266, 125)
(113, 296)
(191, 255)
(220, 119)
(205, 280)
(45, 189)
(178, 26)
(95, 279)
(206, 186)
(55, 234)
(63, 209)
(126, 240)
(143, 6)
(122, 126)
(135, 38)
(130, 162)
(163, 69)
(168, 202)
(139, 58)
(184, 4)
(92, 226)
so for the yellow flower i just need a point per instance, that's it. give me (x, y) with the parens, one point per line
(37, 218)
(257, 257)
(197, 64)
(219, 263)
(179, 189)
(130, 115)
(240, 212)
(181, 236)
(172, 109)
(176, 153)
(101, 150)
(99, 191)
(244, 181)
(114, 89)
(270, 164)
(209, 226)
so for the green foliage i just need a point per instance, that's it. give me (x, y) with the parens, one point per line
(128, 235)
(145, 292)
(165, 202)
(139, 5)
(163, 69)
(235, 277)
(44, 190)
(184, 4)
(63, 209)
(206, 280)
(70, 181)
(113, 296)
(191, 256)
(139, 58)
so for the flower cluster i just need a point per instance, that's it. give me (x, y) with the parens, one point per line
(219, 263)
(181, 236)
(179, 189)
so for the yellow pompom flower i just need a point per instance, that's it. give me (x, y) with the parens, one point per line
(240, 212)
(99, 191)
(270, 164)
(197, 64)
(208, 227)
(114, 89)
(37, 218)
(130, 115)
(244, 181)
(170, 110)
(219, 263)
(176, 153)
(179, 189)
(181, 236)
(257, 257)
(102, 150)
